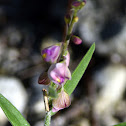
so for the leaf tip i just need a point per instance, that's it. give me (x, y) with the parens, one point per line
(94, 45)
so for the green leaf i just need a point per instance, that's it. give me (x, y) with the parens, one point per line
(121, 124)
(79, 71)
(13, 115)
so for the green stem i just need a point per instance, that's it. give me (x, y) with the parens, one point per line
(68, 35)
(48, 119)
(71, 25)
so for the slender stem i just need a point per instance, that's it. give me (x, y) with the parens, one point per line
(68, 34)
(66, 25)
(71, 25)
(47, 119)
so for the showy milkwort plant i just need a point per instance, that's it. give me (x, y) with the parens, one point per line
(58, 77)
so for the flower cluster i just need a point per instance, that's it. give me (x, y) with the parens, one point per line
(59, 58)
(58, 71)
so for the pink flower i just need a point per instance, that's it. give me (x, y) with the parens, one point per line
(59, 73)
(51, 53)
(61, 102)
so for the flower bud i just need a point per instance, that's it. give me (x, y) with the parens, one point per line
(67, 19)
(76, 3)
(76, 40)
(75, 19)
(43, 79)
(51, 53)
(61, 102)
(84, 1)
(59, 73)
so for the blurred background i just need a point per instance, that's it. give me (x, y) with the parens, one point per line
(26, 27)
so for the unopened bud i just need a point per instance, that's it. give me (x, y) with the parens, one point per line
(67, 19)
(43, 79)
(84, 1)
(76, 3)
(76, 40)
(75, 19)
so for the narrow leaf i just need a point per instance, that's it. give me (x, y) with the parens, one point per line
(13, 115)
(79, 71)
(121, 124)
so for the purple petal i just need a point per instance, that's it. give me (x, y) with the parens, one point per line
(59, 72)
(67, 58)
(51, 53)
